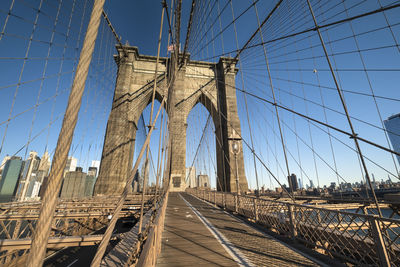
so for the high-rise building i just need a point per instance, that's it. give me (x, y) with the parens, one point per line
(45, 163)
(90, 181)
(10, 177)
(92, 171)
(95, 163)
(293, 185)
(191, 177)
(71, 164)
(35, 191)
(31, 165)
(3, 163)
(203, 181)
(89, 185)
(78, 184)
(73, 185)
(40, 175)
(300, 184)
(392, 125)
(32, 192)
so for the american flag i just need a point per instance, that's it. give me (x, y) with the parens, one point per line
(171, 47)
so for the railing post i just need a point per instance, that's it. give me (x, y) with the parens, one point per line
(255, 204)
(236, 203)
(318, 215)
(215, 198)
(293, 230)
(223, 201)
(379, 242)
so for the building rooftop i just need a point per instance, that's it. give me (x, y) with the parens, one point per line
(394, 116)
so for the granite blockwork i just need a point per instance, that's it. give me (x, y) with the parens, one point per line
(212, 84)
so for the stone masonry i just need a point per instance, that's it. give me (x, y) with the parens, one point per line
(211, 84)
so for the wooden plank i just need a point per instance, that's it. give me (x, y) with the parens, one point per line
(187, 241)
(258, 248)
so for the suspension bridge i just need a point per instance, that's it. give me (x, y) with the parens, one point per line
(250, 133)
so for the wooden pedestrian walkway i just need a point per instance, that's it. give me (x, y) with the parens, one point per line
(197, 233)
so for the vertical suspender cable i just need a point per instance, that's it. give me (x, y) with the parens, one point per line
(151, 118)
(159, 161)
(271, 85)
(245, 102)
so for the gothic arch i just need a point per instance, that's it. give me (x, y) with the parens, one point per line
(195, 82)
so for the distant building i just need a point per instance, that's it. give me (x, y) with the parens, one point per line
(71, 164)
(89, 185)
(95, 163)
(90, 181)
(92, 171)
(300, 184)
(3, 163)
(392, 125)
(33, 189)
(31, 184)
(41, 175)
(140, 177)
(203, 181)
(9, 180)
(191, 177)
(45, 163)
(293, 185)
(135, 183)
(73, 185)
(311, 184)
(31, 165)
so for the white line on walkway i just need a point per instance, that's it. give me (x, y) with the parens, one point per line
(72, 263)
(267, 235)
(236, 255)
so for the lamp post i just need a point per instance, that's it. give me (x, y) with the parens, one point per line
(235, 149)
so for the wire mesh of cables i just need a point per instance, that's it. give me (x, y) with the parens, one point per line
(40, 44)
(316, 85)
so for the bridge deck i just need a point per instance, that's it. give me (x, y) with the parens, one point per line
(197, 233)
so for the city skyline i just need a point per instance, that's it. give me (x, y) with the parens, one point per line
(24, 180)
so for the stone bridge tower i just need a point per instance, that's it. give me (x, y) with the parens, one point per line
(211, 84)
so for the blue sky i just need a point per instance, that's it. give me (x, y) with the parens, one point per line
(299, 71)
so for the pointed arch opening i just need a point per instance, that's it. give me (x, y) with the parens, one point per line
(149, 167)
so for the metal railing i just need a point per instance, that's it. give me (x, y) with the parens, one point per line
(152, 246)
(355, 238)
(79, 218)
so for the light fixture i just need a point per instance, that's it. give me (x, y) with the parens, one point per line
(235, 147)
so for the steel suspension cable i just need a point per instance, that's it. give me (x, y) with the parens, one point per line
(151, 116)
(245, 98)
(42, 230)
(272, 87)
(345, 110)
(110, 228)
